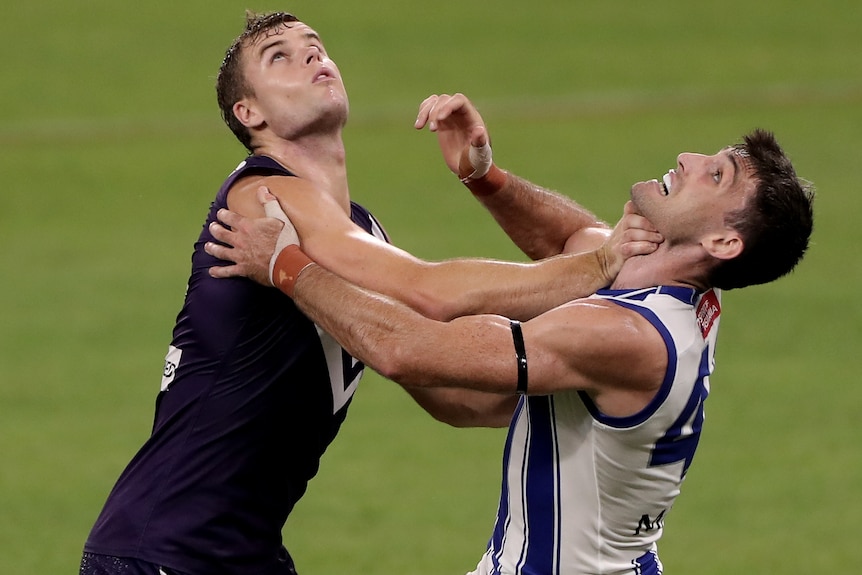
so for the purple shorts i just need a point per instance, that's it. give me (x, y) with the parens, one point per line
(95, 564)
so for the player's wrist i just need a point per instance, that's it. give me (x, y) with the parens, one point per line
(492, 182)
(607, 263)
(287, 266)
(477, 170)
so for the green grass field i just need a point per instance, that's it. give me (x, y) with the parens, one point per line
(111, 149)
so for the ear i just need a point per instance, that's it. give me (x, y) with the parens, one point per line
(247, 114)
(724, 246)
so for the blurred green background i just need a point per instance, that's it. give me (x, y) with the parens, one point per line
(111, 149)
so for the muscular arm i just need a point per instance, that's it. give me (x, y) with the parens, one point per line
(461, 407)
(440, 290)
(542, 223)
(607, 350)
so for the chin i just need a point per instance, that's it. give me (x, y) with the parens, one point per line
(340, 109)
(639, 195)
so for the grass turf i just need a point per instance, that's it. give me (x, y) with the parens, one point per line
(112, 150)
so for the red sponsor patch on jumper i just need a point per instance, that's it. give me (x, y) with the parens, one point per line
(708, 311)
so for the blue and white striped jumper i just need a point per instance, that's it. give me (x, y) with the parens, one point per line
(585, 493)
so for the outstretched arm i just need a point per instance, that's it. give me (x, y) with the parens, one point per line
(541, 222)
(607, 350)
(440, 290)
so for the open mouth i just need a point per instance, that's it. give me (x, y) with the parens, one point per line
(323, 74)
(666, 184)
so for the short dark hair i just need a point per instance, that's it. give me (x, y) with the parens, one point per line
(231, 85)
(776, 221)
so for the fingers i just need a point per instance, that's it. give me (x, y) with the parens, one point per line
(634, 235)
(639, 248)
(424, 111)
(219, 251)
(632, 219)
(636, 221)
(221, 272)
(639, 229)
(229, 218)
(439, 108)
(223, 253)
(432, 110)
(639, 241)
(220, 232)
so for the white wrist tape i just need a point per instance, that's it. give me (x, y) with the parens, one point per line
(287, 236)
(481, 160)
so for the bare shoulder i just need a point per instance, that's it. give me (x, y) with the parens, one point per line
(593, 316)
(242, 197)
(596, 345)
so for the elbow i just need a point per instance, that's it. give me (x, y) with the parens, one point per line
(438, 293)
(460, 420)
(427, 296)
(445, 414)
(430, 304)
(410, 362)
(466, 415)
(396, 363)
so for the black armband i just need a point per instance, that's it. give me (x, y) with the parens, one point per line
(520, 356)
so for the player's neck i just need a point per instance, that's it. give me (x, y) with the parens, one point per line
(320, 160)
(680, 267)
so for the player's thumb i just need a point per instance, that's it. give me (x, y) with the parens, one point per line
(270, 204)
(479, 136)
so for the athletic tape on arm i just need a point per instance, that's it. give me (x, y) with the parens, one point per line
(288, 235)
(481, 159)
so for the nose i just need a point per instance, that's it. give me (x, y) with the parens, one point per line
(687, 160)
(314, 55)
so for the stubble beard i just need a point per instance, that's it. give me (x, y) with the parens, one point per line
(330, 119)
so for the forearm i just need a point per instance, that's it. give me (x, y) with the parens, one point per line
(515, 290)
(458, 287)
(539, 221)
(460, 407)
(394, 341)
(442, 290)
(401, 344)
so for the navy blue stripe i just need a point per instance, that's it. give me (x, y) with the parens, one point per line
(683, 294)
(523, 482)
(559, 497)
(673, 446)
(663, 392)
(495, 546)
(541, 489)
(647, 564)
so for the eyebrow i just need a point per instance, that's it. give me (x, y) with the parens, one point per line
(267, 45)
(731, 155)
(280, 40)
